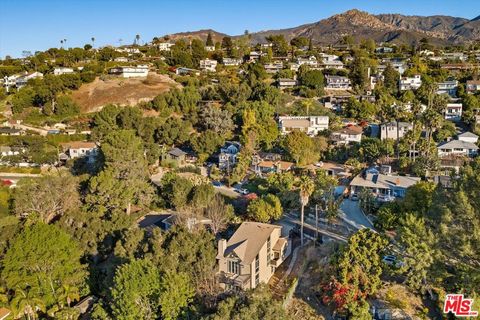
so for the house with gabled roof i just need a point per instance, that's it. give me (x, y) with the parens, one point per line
(251, 255)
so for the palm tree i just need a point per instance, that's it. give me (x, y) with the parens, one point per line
(137, 39)
(306, 188)
(68, 294)
(27, 304)
(61, 43)
(93, 42)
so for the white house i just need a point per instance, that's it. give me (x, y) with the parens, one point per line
(62, 70)
(455, 56)
(255, 55)
(229, 62)
(410, 83)
(309, 61)
(382, 185)
(273, 67)
(389, 130)
(347, 135)
(338, 83)
(311, 125)
(210, 48)
(448, 87)
(335, 64)
(165, 46)
(453, 112)
(468, 137)
(284, 83)
(130, 72)
(80, 149)
(457, 147)
(208, 65)
(228, 155)
(23, 79)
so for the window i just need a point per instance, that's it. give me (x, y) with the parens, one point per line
(257, 279)
(233, 267)
(268, 251)
(257, 264)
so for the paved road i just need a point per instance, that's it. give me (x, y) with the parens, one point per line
(290, 220)
(351, 213)
(226, 191)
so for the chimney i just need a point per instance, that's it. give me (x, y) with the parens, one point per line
(222, 246)
(397, 182)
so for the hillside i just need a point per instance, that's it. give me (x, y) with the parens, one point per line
(395, 28)
(200, 34)
(92, 96)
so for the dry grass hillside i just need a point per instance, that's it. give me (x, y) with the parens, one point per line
(93, 96)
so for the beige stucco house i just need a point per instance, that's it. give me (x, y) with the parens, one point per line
(251, 255)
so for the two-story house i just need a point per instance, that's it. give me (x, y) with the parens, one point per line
(140, 71)
(448, 87)
(453, 112)
(80, 149)
(311, 125)
(208, 65)
(410, 83)
(228, 155)
(389, 130)
(338, 83)
(473, 86)
(251, 255)
(346, 135)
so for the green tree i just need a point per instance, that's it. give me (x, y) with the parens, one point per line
(46, 198)
(301, 148)
(391, 78)
(209, 41)
(176, 292)
(419, 253)
(312, 79)
(45, 258)
(27, 303)
(265, 209)
(207, 143)
(136, 291)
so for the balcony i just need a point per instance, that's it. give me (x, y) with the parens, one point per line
(237, 280)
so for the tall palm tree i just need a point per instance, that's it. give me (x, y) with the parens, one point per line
(137, 39)
(61, 43)
(93, 42)
(68, 294)
(27, 304)
(306, 188)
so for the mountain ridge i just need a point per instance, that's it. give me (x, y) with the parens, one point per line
(388, 27)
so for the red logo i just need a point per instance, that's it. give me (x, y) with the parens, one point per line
(459, 306)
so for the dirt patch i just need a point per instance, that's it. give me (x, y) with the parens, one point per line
(93, 96)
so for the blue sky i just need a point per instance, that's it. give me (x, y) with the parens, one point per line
(40, 24)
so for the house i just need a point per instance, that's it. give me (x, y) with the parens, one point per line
(186, 71)
(335, 64)
(267, 166)
(311, 125)
(210, 48)
(338, 83)
(22, 80)
(273, 67)
(165, 46)
(410, 83)
(62, 70)
(230, 62)
(460, 56)
(384, 50)
(284, 83)
(457, 147)
(176, 155)
(382, 184)
(309, 61)
(130, 72)
(6, 151)
(228, 155)
(332, 169)
(468, 137)
(453, 112)
(251, 255)
(448, 87)
(121, 59)
(473, 86)
(347, 135)
(256, 55)
(389, 130)
(208, 65)
(80, 149)
(6, 131)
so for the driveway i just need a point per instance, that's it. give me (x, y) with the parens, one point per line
(351, 213)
